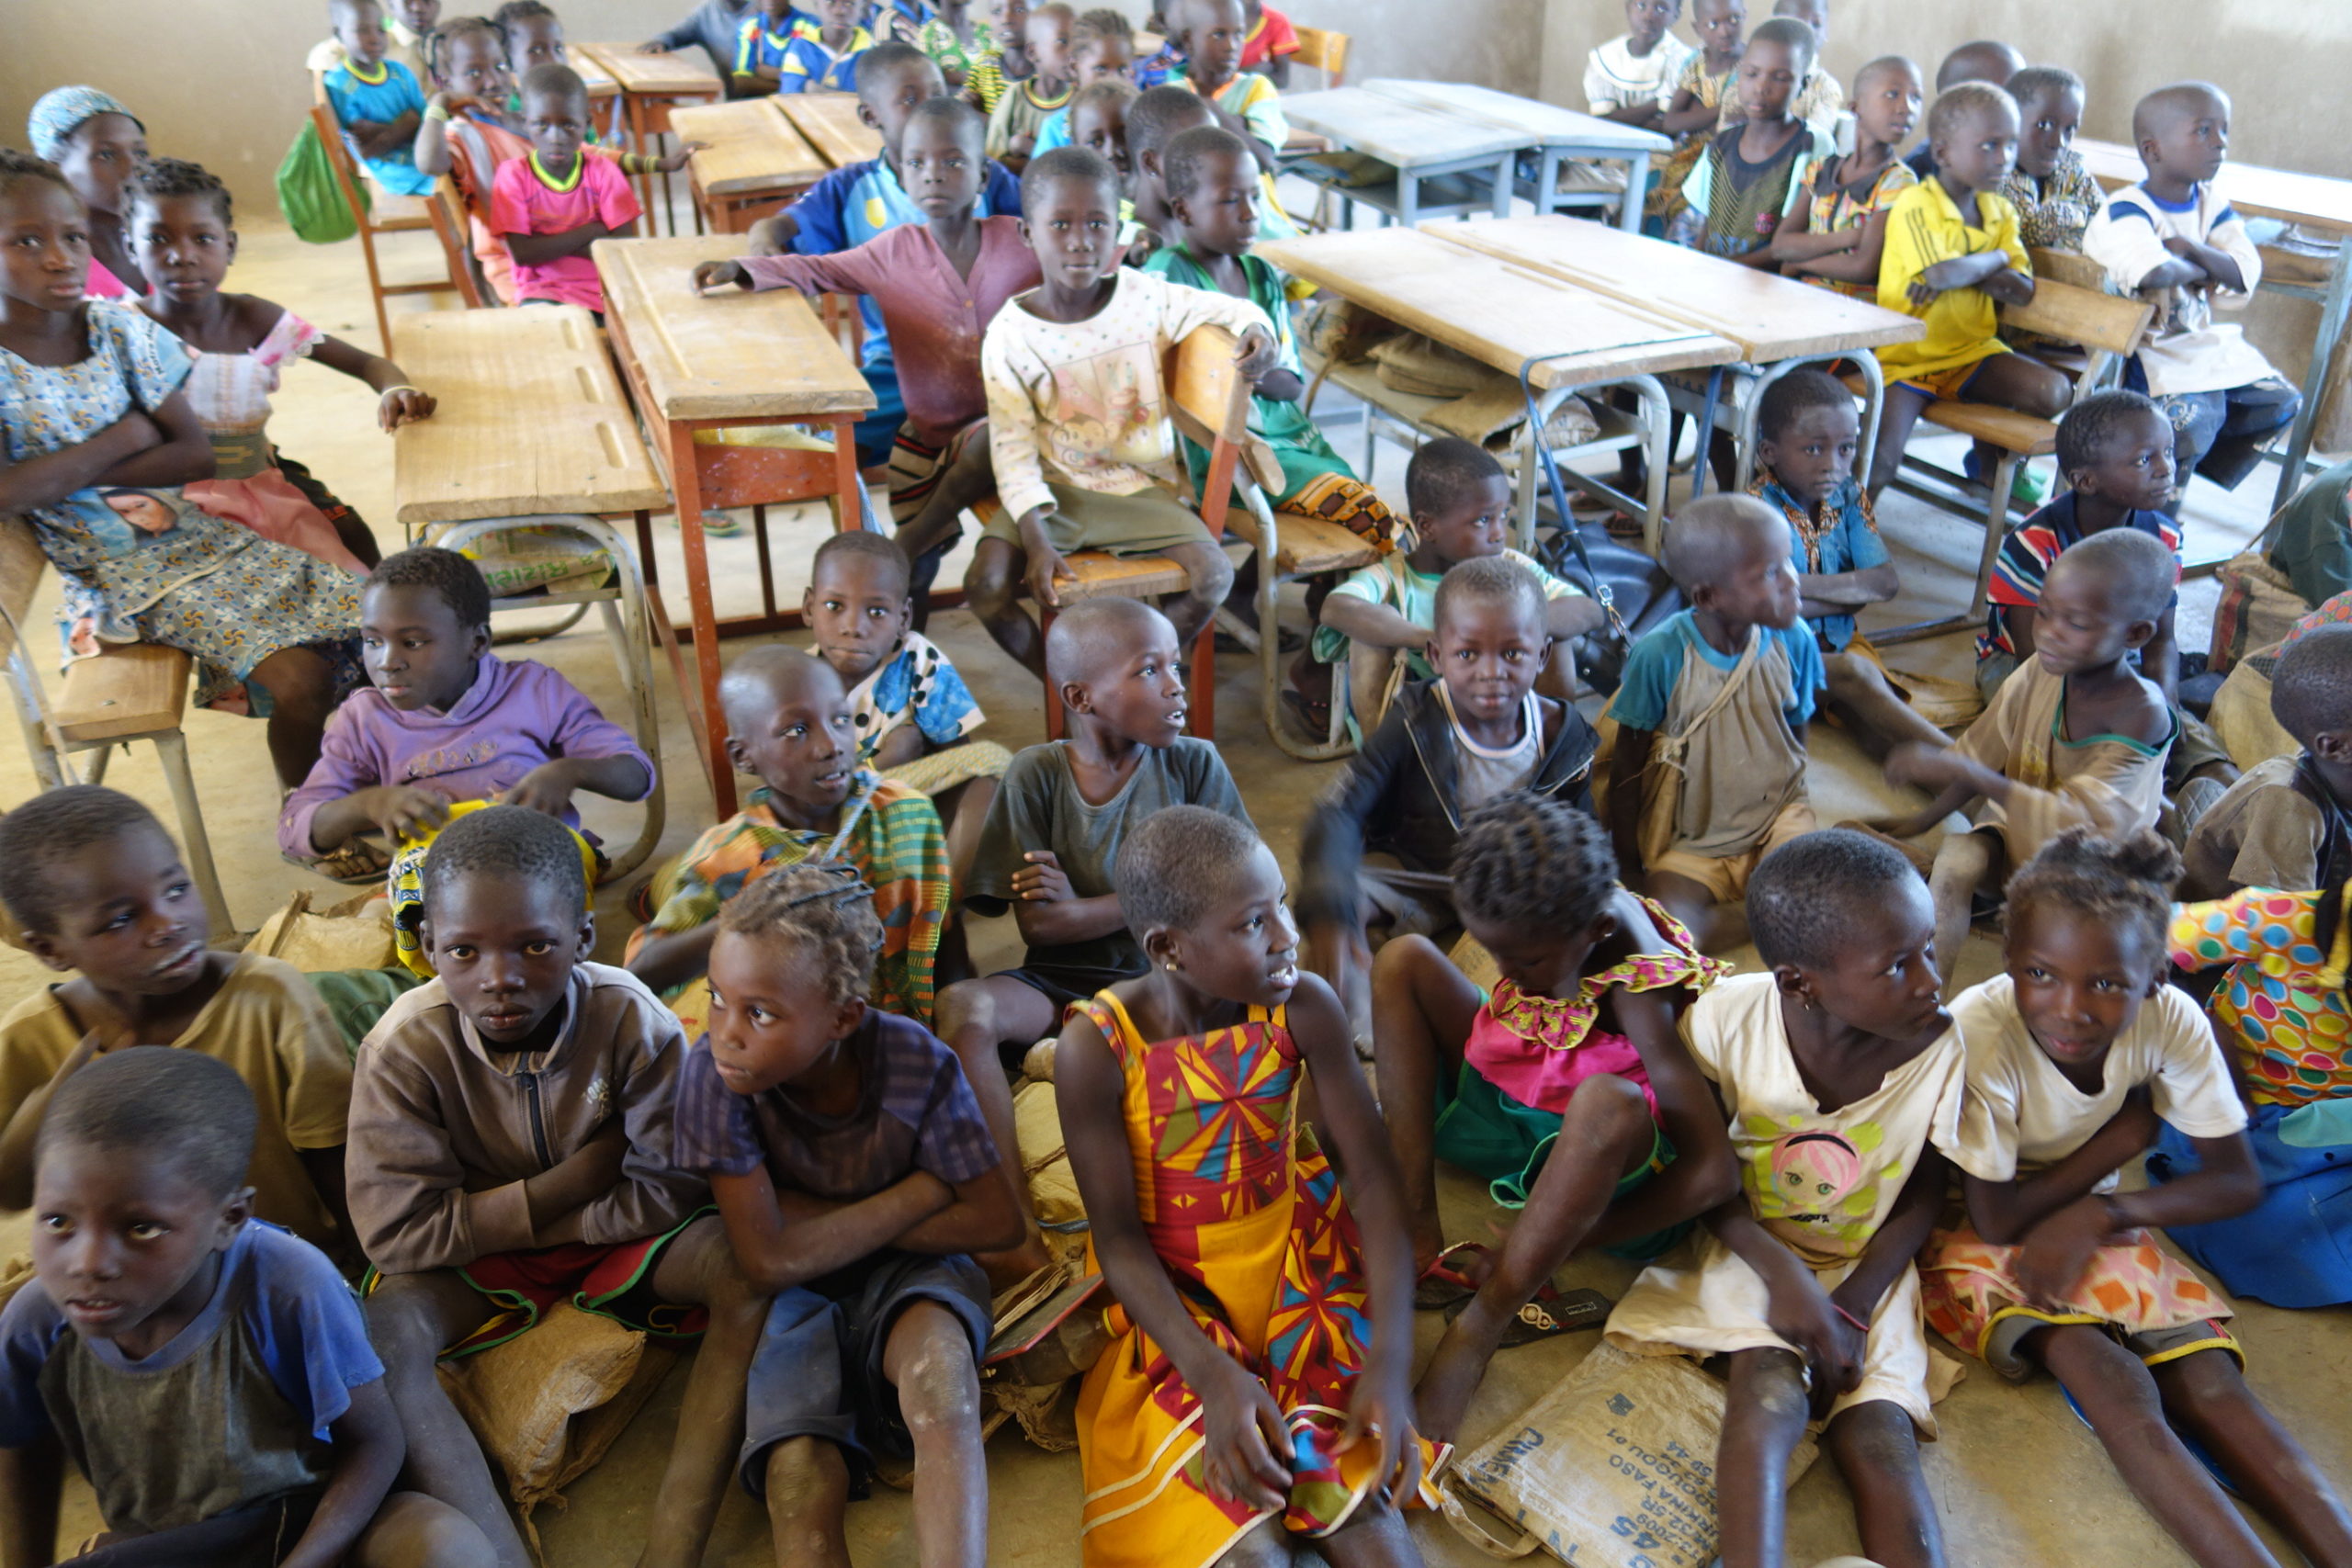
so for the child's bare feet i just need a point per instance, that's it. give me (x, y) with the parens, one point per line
(1451, 1380)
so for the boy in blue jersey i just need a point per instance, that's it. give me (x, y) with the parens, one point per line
(857, 201)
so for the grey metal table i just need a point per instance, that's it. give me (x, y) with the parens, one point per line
(1557, 137)
(1464, 163)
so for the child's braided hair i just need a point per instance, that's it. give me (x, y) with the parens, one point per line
(437, 41)
(1100, 23)
(822, 908)
(1528, 861)
(2119, 882)
(16, 167)
(176, 176)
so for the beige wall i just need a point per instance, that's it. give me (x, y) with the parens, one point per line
(222, 81)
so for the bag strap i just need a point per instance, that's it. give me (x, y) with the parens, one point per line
(1732, 682)
(1602, 594)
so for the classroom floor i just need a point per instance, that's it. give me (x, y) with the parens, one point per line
(2018, 1478)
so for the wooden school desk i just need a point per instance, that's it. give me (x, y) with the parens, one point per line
(829, 122)
(1776, 322)
(2308, 201)
(743, 360)
(754, 164)
(650, 86)
(532, 425)
(1560, 137)
(1562, 336)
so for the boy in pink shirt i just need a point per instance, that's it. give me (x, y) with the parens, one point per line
(553, 204)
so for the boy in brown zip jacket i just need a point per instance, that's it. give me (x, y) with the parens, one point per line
(512, 1146)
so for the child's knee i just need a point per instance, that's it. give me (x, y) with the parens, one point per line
(1208, 572)
(804, 1475)
(412, 1530)
(405, 1328)
(1608, 1109)
(2206, 1380)
(939, 1387)
(991, 582)
(1877, 1437)
(1402, 960)
(300, 685)
(1850, 678)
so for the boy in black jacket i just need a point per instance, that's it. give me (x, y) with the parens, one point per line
(1445, 749)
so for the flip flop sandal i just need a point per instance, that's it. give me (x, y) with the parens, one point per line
(1920, 858)
(1441, 1285)
(1314, 717)
(1623, 526)
(1550, 1313)
(356, 864)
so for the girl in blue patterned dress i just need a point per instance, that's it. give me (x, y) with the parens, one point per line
(98, 441)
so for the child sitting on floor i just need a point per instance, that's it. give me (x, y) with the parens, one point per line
(1101, 48)
(511, 1130)
(98, 438)
(2077, 736)
(912, 711)
(99, 892)
(186, 241)
(97, 145)
(939, 284)
(378, 101)
(1842, 1078)
(1839, 232)
(1576, 1047)
(1077, 417)
(2054, 195)
(1380, 619)
(1632, 77)
(858, 201)
(788, 724)
(1245, 103)
(1708, 773)
(1059, 816)
(856, 1174)
(1753, 177)
(1952, 256)
(1694, 112)
(2174, 238)
(551, 206)
(2287, 823)
(1477, 731)
(1022, 112)
(1987, 61)
(160, 1310)
(444, 719)
(1254, 1399)
(2076, 1057)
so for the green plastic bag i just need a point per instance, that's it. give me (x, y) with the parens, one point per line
(309, 195)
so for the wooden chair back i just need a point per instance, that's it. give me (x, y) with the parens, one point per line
(2070, 267)
(2070, 313)
(1210, 404)
(1323, 50)
(452, 227)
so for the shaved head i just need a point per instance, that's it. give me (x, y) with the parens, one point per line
(2135, 568)
(2168, 106)
(1713, 536)
(1093, 634)
(765, 679)
(1986, 59)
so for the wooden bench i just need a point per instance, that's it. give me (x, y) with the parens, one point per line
(2108, 329)
(133, 691)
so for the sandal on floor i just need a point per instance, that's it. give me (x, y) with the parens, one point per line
(1441, 1285)
(1550, 1313)
(1314, 717)
(356, 864)
(1623, 525)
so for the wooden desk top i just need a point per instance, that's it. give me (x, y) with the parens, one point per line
(1397, 131)
(2314, 200)
(1550, 125)
(1769, 317)
(829, 122)
(1497, 311)
(679, 71)
(738, 357)
(531, 420)
(600, 82)
(752, 148)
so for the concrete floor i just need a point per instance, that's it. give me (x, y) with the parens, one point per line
(2018, 1479)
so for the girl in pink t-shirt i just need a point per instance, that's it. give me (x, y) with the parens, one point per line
(1574, 1046)
(553, 204)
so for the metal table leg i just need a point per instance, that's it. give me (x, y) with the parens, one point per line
(2332, 312)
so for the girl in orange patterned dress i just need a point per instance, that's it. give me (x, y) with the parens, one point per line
(1256, 1396)
(2075, 1055)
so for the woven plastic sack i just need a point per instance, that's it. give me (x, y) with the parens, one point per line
(1614, 1468)
(516, 561)
(1037, 1122)
(2241, 715)
(309, 195)
(2258, 607)
(1423, 367)
(354, 934)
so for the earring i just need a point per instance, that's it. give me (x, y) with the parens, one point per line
(1173, 966)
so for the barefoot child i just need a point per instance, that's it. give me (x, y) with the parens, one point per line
(444, 720)
(1752, 178)
(553, 205)
(855, 1174)
(2053, 192)
(1952, 257)
(1728, 686)
(938, 284)
(511, 1136)
(182, 232)
(1078, 417)
(1575, 1048)
(98, 891)
(909, 708)
(1839, 231)
(98, 439)
(2075, 1056)
(1478, 732)
(2075, 737)
(788, 724)
(1054, 831)
(1253, 1402)
(159, 1309)
(1842, 1078)
(97, 145)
